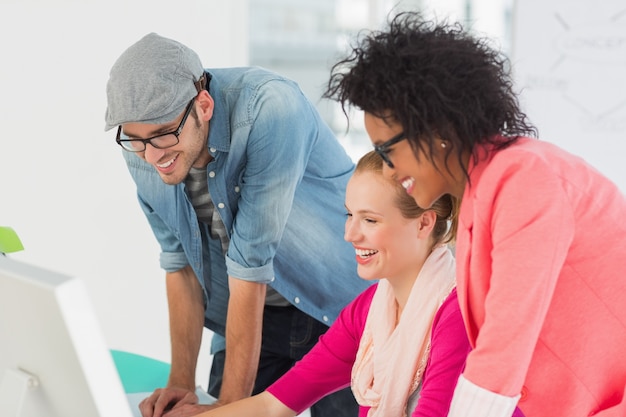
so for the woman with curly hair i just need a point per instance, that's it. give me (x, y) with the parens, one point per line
(541, 239)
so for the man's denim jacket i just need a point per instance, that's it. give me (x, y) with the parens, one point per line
(278, 179)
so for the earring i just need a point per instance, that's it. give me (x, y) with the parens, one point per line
(444, 145)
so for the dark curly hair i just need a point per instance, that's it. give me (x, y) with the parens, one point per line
(436, 81)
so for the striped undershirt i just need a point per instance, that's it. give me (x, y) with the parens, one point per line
(198, 192)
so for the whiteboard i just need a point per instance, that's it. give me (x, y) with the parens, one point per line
(569, 62)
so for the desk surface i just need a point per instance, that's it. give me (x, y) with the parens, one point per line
(135, 398)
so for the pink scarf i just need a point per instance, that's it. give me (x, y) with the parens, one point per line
(391, 359)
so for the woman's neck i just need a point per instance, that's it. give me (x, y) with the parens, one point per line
(402, 283)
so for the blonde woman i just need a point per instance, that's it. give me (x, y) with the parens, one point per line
(400, 344)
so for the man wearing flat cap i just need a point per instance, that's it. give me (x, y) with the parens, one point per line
(243, 186)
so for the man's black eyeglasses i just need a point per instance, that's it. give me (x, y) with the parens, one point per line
(165, 140)
(383, 149)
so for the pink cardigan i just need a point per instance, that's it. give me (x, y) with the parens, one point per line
(541, 280)
(327, 367)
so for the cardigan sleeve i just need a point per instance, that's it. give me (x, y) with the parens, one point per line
(523, 228)
(471, 400)
(449, 349)
(327, 367)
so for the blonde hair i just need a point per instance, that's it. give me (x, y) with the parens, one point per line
(446, 208)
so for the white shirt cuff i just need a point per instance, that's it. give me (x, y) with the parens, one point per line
(470, 400)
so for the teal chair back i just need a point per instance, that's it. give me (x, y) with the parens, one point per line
(140, 373)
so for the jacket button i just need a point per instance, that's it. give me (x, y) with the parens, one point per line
(524, 394)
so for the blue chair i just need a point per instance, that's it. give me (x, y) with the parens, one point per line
(140, 373)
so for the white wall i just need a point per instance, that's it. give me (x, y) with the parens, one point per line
(63, 185)
(569, 59)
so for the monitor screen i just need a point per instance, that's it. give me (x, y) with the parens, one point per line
(54, 361)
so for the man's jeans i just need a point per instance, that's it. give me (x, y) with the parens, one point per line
(288, 334)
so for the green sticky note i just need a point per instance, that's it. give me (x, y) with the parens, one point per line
(9, 242)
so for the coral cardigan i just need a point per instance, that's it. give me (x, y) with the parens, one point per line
(541, 280)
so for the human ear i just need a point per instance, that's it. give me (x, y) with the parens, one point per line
(426, 224)
(205, 105)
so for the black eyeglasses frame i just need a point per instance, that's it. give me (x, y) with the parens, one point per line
(383, 148)
(150, 140)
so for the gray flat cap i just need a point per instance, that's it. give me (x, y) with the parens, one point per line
(151, 82)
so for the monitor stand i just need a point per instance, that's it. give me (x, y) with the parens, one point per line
(14, 388)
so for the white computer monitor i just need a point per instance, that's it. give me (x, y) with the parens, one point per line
(54, 361)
